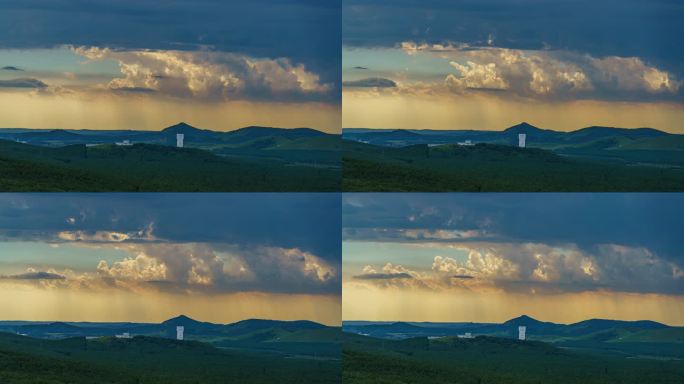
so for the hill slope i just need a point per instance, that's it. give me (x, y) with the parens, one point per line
(149, 360)
(151, 167)
(495, 168)
(491, 360)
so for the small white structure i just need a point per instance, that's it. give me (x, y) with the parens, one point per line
(466, 143)
(179, 140)
(521, 140)
(521, 332)
(179, 332)
(125, 143)
(124, 335)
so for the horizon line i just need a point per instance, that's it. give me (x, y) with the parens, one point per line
(513, 318)
(510, 126)
(162, 321)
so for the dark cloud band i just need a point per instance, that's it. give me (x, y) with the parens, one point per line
(309, 222)
(578, 26)
(373, 82)
(304, 31)
(383, 276)
(22, 83)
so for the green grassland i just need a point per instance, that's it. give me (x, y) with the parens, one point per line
(493, 360)
(152, 167)
(151, 360)
(492, 167)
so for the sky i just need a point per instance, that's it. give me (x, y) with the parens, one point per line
(491, 64)
(492, 257)
(129, 64)
(150, 257)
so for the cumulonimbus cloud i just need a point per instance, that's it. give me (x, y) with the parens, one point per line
(210, 75)
(197, 267)
(548, 74)
(540, 268)
(371, 82)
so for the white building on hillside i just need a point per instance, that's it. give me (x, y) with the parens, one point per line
(521, 140)
(521, 332)
(179, 332)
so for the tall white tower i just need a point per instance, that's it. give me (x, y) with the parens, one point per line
(521, 332)
(521, 140)
(179, 140)
(179, 332)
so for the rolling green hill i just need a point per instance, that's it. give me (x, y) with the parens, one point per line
(493, 360)
(151, 167)
(249, 351)
(492, 167)
(244, 160)
(605, 137)
(614, 337)
(258, 330)
(150, 360)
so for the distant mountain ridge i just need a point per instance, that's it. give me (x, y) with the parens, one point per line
(535, 136)
(400, 330)
(642, 147)
(193, 328)
(166, 136)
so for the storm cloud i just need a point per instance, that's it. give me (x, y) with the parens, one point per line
(599, 28)
(302, 221)
(373, 82)
(306, 32)
(209, 75)
(518, 242)
(175, 243)
(551, 50)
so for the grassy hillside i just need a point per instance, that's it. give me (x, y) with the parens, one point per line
(151, 360)
(493, 360)
(490, 167)
(149, 167)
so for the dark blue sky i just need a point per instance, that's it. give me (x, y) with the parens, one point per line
(632, 241)
(310, 222)
(652, 221)
(647, 29)
(305, 31)
(272, 242)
